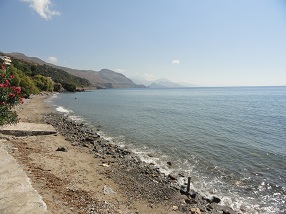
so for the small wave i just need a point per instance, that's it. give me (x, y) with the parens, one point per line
(63, 110)
(151, 157)
(54, 96)
(76, 118)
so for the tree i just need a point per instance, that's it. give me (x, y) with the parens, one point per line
(71, 87)
(43, 83)
(28, 86)
(26, 83)
(58, 87)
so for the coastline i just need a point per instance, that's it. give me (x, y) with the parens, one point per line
(90, 175)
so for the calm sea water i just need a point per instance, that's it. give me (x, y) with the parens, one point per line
(231, 141)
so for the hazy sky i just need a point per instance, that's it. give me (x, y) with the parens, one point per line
(204, 42)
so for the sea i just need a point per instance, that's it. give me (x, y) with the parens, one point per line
(231, 141)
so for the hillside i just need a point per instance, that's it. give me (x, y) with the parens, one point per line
(57, 75)
(104, 78)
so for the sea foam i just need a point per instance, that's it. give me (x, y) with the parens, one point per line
(63, 110)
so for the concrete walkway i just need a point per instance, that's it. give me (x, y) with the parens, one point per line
(17, 196)
(28, 129)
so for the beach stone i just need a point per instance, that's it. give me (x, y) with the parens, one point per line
(243, 208)
(209, 207)
(198, 197)
(172, 177)
(89, 140)
(195, 210)
(175, 186)
(61, 149)
(169, 163)
(188, 201)
(215, 199)
(227, 210)
(107, 190)
(175, 208)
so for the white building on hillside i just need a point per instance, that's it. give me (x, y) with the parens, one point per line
(6, 59)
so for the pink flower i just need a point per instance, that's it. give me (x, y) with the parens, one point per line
(12, 95)
(3, 103)
(18, 90)
(7, 83)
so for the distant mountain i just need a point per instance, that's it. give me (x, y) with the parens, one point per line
(165, 83)
(160, 83)
(156, 85)
(104, 78)
(141, 81)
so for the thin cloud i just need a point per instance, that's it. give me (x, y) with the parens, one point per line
(52, 59)
(175, 62)
(43, 8)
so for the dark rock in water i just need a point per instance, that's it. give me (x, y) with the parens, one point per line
(193, 194)
(215, 199)
(184, 192)
(61, 149)
(169, 163)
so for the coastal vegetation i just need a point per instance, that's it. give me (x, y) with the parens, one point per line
(10, 95)
(40, 73)
(20, 79)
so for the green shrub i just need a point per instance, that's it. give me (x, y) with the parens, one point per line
(10, 96)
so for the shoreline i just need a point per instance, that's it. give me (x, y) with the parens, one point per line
(108, 178)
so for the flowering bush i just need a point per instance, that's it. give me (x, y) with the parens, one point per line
(10, 96)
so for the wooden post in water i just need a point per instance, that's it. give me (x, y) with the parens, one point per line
(189, 183)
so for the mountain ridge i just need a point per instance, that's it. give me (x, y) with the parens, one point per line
(105, 78)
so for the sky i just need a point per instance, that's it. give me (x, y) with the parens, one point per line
(203, 42)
